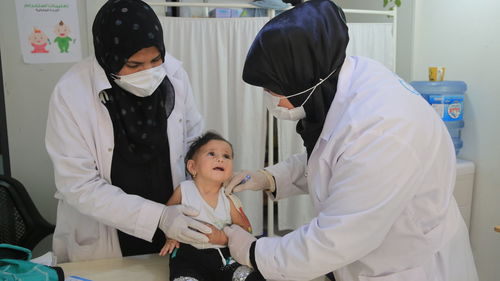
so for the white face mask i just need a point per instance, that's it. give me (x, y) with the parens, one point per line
(283, 113)
(295, 113)
(142, 83)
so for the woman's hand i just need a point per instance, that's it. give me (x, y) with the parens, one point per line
(177, 222)
(239, 244)
(250, 180)
(217, 236)
(169, 246)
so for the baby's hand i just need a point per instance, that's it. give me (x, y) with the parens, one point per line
(169, 246)
(217, 236)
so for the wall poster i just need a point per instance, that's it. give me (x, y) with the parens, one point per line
(49, 31)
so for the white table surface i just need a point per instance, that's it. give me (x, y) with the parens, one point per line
(135, 268)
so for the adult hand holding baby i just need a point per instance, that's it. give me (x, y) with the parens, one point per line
(239, 243)
(177, 223)
(217, 236)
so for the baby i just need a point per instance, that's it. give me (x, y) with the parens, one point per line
(209, 161)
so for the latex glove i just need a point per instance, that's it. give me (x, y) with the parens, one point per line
(255, 180)
(217, 236)
(177, 224)
(239, 243)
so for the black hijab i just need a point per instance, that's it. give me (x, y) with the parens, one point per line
(293, 51)
(141, 157)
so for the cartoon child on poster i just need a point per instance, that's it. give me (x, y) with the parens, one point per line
(62, 31)
(39, 41)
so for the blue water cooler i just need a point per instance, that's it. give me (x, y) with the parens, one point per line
(447, 98)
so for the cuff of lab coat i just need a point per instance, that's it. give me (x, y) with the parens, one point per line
(264, 261)
(148, 219)
(281, 179)
(256, 271)
(271, 192)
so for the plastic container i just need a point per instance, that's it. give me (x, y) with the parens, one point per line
(447, 98)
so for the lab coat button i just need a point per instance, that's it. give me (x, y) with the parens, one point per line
(180, 120)
(306, 174)
(110, 149)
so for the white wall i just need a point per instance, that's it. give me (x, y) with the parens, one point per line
(27, 90)
(464, 36)
(405, 28)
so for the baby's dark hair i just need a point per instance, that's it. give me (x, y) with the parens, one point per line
(201, 141)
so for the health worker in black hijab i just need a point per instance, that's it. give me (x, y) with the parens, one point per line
(377, 164)
(134, 87)
(299, 55)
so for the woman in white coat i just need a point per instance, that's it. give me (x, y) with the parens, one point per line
(379, 167)
(119, 125)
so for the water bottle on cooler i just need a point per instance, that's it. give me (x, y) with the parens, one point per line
(447, 98)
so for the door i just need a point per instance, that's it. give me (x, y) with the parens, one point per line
(4, 148)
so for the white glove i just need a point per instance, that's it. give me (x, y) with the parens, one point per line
(250, 180)
(239, 242)
(177, 224)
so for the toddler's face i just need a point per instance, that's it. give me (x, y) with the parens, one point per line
(214, 161)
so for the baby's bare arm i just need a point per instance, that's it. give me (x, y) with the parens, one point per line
(176, 197)
(169, 246)
(238, 217)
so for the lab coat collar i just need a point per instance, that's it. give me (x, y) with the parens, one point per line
(171, 65)
(99, 77)
(339, 104)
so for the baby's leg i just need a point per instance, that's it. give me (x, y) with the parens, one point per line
(180, 271)
(183, 266)
(240, 273)
(235, 271)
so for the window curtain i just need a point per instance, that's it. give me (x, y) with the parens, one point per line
(213, 51)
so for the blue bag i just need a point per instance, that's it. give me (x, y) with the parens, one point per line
(15, 265)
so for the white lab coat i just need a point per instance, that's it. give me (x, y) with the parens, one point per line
(381, 179)
(79, 139)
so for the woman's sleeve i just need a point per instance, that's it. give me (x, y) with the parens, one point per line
(81, 185)
(289, 176)
(362, 197)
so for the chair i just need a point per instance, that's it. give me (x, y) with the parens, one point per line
(20, 222)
